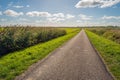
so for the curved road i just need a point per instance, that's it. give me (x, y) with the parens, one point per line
(75, 60)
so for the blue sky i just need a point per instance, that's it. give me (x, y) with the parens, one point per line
(60, 12)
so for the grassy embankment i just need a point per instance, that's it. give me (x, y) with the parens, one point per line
(109, 33)
(109, 50)
(17, 38)
(13, 64)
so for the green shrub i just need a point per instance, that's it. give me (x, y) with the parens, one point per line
(16, 38)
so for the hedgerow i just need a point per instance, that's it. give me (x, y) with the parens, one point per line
(16, 38)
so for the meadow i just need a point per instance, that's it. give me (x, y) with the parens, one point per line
(15, 63)
(109, 49)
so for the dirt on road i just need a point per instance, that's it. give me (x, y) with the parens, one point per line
(75, 60)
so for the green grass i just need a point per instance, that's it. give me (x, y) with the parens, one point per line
(16, 63)
(1, 28)
(109, 50)
(16, 38)
(109, 33)
(70, 30)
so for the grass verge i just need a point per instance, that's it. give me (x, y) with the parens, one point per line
(109, 50)
(16, 63)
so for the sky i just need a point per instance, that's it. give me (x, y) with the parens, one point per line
(60, 12)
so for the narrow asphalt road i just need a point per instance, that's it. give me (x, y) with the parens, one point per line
(76, 60)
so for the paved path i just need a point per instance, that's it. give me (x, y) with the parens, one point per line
(76, 60)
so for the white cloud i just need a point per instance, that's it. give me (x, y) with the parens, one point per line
(59, 15)
(28, 6)
(18, 6)
(96, 3)
(55, 19)
(79, 21)
(109, 3)
(49, 15)
(23, 19)
(87, 3)
(12, 13)
(85, 17)
(38, 14)
(0, 13)
(69, 16)
(110, 17)
(39, 21)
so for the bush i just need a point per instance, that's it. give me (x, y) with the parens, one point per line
(16, 38)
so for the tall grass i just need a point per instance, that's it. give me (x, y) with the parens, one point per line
(16, 38)
(109, 50)
(109, 33)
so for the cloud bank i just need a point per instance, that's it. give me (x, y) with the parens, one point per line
(18, 6)
(96, 3)
(85, 17)
(12, 13)
(110, 17)
(38, 14)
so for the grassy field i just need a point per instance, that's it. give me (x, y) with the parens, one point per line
(109, 50)
(109, 33)
(1, 29)
(13, 64)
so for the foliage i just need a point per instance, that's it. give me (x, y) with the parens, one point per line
(109, 33)
(13, 64)
(109, 50)
(16, 38)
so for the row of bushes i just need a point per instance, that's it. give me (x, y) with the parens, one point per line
(16, 38)
(112, 34)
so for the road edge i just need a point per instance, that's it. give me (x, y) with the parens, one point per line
(39, 62)
(101, 58)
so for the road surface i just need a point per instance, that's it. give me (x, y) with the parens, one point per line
(76, 60)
